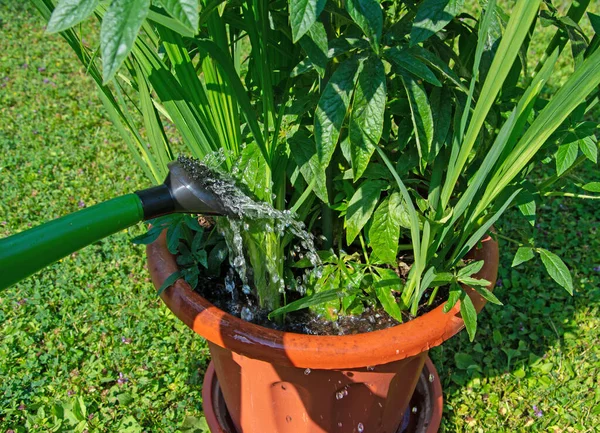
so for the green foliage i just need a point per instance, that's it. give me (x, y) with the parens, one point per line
(309, 101)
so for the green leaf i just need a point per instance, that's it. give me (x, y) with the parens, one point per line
(389, 303)
(316, 46)
(433, 16)
(331, 111)
(484, 291)
(566, 156)
(528, 210)
(453, 297)
(68, 13)
(471, 268)
(173, 236)
(557, 269)
(474, 282)
(404, 59)
(463, 361)
(303, 14)
(185, 11)
(361, 207)
(191, 424)
(120, 27)
(589, 148)
(420, 110)
(303, 150)
(385, 229)
(522, 255)
(469, 315)
(216, 257)
(592, 186)
(366, 121)
(148, 237)
(369, 17)
(169, 282)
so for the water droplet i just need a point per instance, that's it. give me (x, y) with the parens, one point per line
(370, 368)
(307, 371)
(360, 427)
(246, 314)
(414, 409)
(339, 395)
(339, 424)
(431, 378)
(288, 418)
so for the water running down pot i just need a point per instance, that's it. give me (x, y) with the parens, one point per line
(275, 382)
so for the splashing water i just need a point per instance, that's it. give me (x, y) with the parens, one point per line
(241, 208)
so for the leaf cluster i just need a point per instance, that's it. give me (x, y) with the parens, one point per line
(399, 130)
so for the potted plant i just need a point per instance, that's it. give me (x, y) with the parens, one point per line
(397, 132)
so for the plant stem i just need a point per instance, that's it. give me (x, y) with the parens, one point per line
(506, 238)
(571, 194)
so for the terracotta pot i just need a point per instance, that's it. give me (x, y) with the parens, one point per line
(423, 414)
(280, 382)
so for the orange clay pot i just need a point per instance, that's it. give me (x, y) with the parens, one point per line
(281, 382)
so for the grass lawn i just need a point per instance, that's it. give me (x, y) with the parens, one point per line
(87, 345)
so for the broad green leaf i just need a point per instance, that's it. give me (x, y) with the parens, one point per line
(169, 282)
(522, 255)
(369, 17)
(589, 148)
(464, 361)
(173, 236)
(405, 60)
(70, 12)
(566, 156)
(453, 297)
(484, 291)
(185, 11)
(385, 229)
(361, 207)
(250, 168)
(303, 150)
(592, 186)
(120, 27)
(557, 269)
(528, 210)
(474, 282)
(366, 120)
(433, 16)
(316, 46)
(420, 110)
(469, 315)
(331, 111)
(303, 14)
(389, 303)
(470, 269)
(148, 237)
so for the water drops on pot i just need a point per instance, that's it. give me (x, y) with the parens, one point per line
(307, 372)
(360, 427)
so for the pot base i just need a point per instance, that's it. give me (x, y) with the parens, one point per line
(423, 415)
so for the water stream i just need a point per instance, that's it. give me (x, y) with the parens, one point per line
(242, 212)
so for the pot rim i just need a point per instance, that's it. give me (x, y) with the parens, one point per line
(313, 351)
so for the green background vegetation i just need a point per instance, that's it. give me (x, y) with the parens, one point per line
(86, 343)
